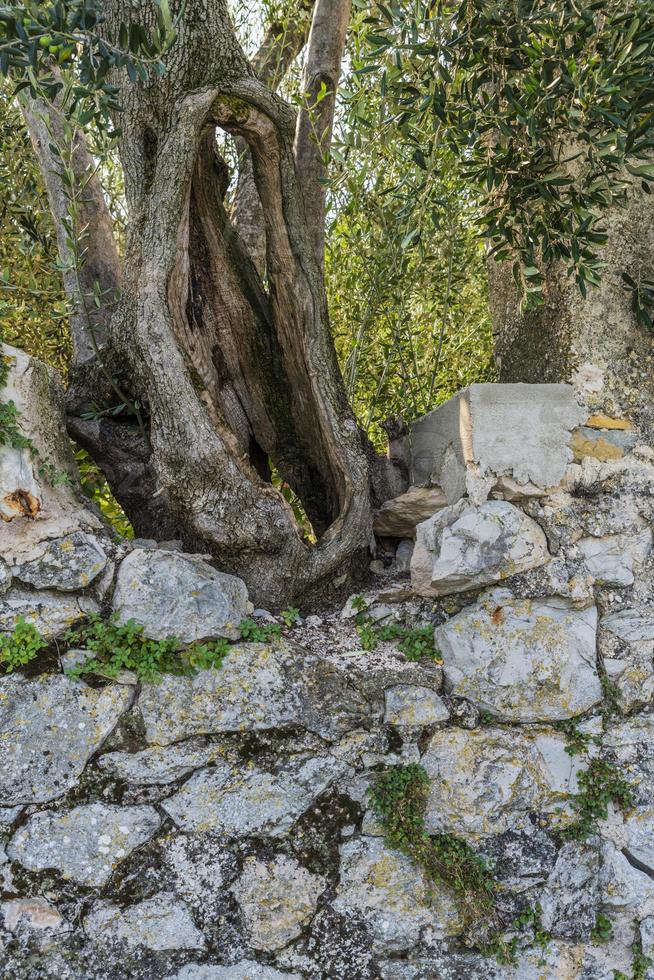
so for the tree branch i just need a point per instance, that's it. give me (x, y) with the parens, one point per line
(316, 119)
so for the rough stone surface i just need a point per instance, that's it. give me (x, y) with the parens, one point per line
(51, 612)
(32, 913)
(486, 781)
(278, 898)
(85, 844)
(517, 430)
(158, 923)
(245, 970)
(160, 765)
(398, 517)
(464, 547)
(611, 559)
(383, 888)
(409, 706)
(49, 728)
(522, 660)
(233, 800)
(172, 594)
(69, 563)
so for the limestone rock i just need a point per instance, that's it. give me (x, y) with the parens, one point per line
(160, 764)
(572, 893)
(403, 556)
(278, 899)
(464, 547)
(627, 647)
(382, 887)
(521, 660)
(409, 706)
(631, 743)
(623, 885)
(486, 781)
(631, 625)
(639, 830)
(259, 687)
(398, 517)
(68, 564)
(521, 431)
(5, 576)
(239, 800)
(158, 923)
(611, 559)
(49, 728)
(172, 594)
(51, 612)
(32, 913)
(85, 844)
(245, 970)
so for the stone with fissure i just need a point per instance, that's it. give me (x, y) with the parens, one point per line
(467, 546)
(67, 564)
(50, 612)
(410, 706)
(160, 764)
(278, 899)
(172, 594)
(49, 728)
(158, 923)
(87, 843)
(522, 660)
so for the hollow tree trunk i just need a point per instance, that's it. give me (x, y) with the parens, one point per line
(596, 343)
(221, 362)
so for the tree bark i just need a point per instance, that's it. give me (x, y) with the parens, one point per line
(316, 119)
(203, 411)
(596, 343)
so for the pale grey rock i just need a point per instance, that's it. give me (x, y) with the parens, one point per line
(173, 594)
(572, 893)
(522, 660)
(245, 970)
(383, 888)
(398, 517)
(34, 913)
(486, 781)
(447, 964)
(631, 743)
(647, 935)
(624, 886)
(517, 430)
(5, 576)
(278, 899)
(409, 706)
(627, 648)
(67, 564)
(51, 612)
(158, 923)
(631, 625)
(197, 867)
(49, 727)
(239, 800)
(9, 814)
(563, 576)
(160, 764)
(639, 832)
(259, 687)
(87, 843)
(611, 559)
(464, 547)
(403, 556)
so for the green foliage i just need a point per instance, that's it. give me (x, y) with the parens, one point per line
(577, 742)
(21, 646)
(123, 646)
(640, 963)
(399, 799)
(416, 643)
(289, 616)
(545, 106)
(255, 632)
(602, 931)
(599, 785)
(96, 488)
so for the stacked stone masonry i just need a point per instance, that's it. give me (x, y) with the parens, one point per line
(219, 826)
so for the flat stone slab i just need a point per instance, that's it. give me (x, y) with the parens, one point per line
(383, 887)
(278, 899)
(485, 781)
(51, 612)
(258, 687)
(521, 431)
(172, 594)
(49, 727)
(159, 923)
(237, 800)
(245, 970)
(466, 546)
(611, 559)
(521, 659)
(87, 843)
(398, 517)
(160, 764)
(410, 706)
(68, 563)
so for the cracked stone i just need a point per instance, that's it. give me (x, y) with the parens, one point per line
(67, 564)
(410, 706)
(51, 612)
(160, 764)
(87, 843)
(158, 923)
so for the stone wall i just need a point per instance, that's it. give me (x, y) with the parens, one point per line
(218, 825)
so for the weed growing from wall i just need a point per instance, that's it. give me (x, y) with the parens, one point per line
(20, 647)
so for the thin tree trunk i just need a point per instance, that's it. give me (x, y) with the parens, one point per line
(316, 119)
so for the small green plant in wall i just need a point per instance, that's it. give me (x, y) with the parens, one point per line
(416, 643)
(21, 646)
(599, 785)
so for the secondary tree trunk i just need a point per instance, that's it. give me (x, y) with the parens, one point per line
(596, 343)
(232, 373)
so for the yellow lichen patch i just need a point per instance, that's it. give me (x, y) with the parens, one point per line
(606, 422)
(599, 448)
